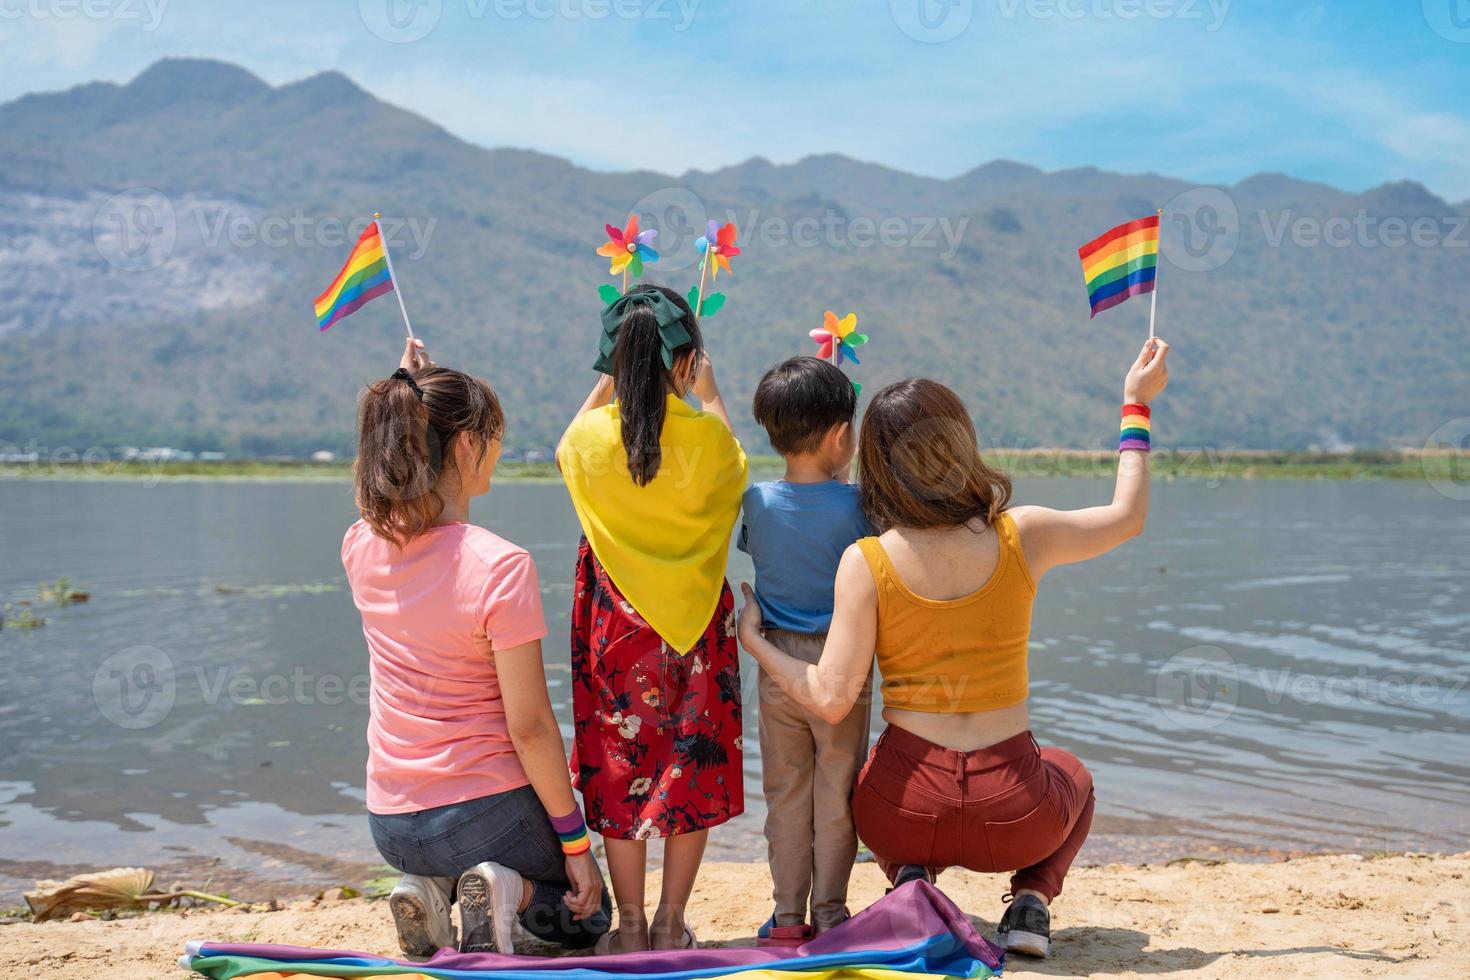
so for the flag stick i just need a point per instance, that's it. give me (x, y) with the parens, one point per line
(1153, 294)
(397, 291)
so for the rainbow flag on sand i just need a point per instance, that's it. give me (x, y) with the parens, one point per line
(1121, 263)
(367, 275)
(914, 933)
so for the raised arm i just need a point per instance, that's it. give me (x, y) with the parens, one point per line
(1059, 537)
(831, 686)
(600, 395)
(708, 392)
(537, 740)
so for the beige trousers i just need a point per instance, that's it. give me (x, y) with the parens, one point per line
(809, 768)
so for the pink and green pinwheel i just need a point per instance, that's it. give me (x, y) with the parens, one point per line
(629, 248)
(719, 242)
(836, 339)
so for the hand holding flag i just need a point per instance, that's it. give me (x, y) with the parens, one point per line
(1121, 263)
(415, 358)
(367, 275)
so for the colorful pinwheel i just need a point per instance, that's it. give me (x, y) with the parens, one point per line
(630, 248)
(836, 339)
(719, 242)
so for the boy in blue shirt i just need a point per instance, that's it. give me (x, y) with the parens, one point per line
(795, 530)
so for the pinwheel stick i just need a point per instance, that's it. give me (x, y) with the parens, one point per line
(703, 270)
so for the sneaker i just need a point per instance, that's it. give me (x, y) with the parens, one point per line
(771, 934)
(489, 903)
(420, 907)
(911, 872)
(1026, 927)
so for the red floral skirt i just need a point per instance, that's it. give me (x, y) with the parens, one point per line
(658, 735)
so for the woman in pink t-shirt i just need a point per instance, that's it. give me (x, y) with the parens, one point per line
(467, 784)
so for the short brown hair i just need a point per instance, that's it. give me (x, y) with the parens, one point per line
(799, 401)
(921, 464)
(404, 440)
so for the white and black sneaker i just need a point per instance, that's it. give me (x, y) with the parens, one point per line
(1026, 927)
(911, 872)
(489, 900)
(420, 906)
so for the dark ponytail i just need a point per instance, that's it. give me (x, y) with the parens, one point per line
(642, 382)
(405, 430)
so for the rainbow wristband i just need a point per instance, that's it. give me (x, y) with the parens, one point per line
(1135, 429)
(572, 830)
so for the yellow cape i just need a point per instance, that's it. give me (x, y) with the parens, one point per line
(664, 545)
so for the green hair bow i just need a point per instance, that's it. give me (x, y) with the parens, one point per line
(672, 333)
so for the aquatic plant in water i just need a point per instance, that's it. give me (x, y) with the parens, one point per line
(22, 618)
(60, 593)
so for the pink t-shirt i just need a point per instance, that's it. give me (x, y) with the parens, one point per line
(432, 612)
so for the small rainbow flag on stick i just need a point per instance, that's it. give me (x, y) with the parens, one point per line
(1122, 263)
(367, 275)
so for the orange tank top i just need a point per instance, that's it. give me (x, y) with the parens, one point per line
(955, 655)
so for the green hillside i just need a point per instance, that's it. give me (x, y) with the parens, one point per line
(190, 324)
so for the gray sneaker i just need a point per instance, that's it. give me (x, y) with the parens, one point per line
(489, 900)
(1026, 927)
(420, 907)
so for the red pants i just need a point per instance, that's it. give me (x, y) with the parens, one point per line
(1009, 806)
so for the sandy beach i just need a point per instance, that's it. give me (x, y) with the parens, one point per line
(1337, 916)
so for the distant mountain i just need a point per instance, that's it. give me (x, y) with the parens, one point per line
(161, 242)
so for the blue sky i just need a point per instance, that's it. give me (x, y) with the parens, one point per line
(1353, 93)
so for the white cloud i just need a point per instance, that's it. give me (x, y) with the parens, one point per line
(564, 115)
(70, 43)
(1431, 146)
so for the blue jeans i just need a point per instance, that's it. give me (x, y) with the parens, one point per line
(511, 829)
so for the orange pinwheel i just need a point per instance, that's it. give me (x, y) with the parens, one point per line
(719, 242)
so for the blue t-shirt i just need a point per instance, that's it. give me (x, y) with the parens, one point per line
(795, 533)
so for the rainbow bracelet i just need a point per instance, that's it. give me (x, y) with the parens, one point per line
(572, 830)
(1135, 429)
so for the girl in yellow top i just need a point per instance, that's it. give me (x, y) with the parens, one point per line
(656, 679)
(942, 598)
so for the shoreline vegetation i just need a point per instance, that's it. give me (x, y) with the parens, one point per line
(1209, 464)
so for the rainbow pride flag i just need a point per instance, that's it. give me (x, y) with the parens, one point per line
(1121, 263)
(914, 933)
(366, 276)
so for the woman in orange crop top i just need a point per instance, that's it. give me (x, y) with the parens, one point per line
(942, 599)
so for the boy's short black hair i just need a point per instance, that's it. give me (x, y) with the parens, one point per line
(799, 400)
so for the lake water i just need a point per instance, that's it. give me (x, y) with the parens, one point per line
(1274, 667)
